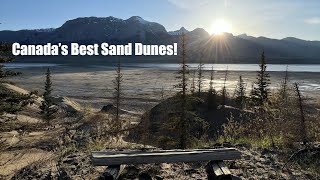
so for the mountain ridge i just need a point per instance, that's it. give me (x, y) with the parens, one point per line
(222, 48)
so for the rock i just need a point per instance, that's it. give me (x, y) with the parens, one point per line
(68, 161)
(233, 165)
(144, 176)
(107, 108)
(105, 176)
(265, 151)
(159, 177)
(191, 171)
(246, 157)
(266, 162)
(243, 145)
(130, 172)
(67, 105)
(235, 178)
(227, 144)
(272, 175)
(259, 165)
(62, 174)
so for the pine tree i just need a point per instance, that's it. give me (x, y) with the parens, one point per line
(261, 89)
(182, 87)
(6, 56)
(211, 89)
(117, 96)
(302, 125)
(47, 107)
(240, 94)
(10, 102)
(193, 85)
(212, 99)
(224, 89)
(284, 86)
(200, 75)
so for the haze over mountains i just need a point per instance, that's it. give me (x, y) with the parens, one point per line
(225, 48)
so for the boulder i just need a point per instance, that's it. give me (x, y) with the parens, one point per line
(108, 108)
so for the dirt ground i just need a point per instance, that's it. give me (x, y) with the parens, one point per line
(142, 88)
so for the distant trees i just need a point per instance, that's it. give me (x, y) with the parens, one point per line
(261, 89)
(240, 94)
(47, 106)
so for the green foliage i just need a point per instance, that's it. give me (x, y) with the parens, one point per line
(261, 89)
(193, 85)
(47, 107)
(5, 53)
(224, 94)
(240, 94)
(196, 129)
(212, 94)
(200, 75)
(10, 101)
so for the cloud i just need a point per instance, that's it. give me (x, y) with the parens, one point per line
(315, 20)
(189, 4)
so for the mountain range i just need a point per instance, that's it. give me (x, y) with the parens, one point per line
(225, 48)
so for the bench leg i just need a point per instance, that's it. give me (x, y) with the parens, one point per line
(217, 170)
(113, 172)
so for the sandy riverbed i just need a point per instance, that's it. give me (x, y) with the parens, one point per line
(141, 86)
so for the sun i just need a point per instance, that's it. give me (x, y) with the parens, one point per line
(220, 26)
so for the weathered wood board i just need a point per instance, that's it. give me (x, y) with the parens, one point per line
(165, 156)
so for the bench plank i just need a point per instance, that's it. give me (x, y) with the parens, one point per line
(171, 156)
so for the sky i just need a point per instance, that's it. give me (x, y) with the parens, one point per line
(270, 18)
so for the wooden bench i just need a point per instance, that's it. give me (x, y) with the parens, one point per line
(215, 168)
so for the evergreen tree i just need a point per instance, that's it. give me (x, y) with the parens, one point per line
(47, 107)
(200, 75)
(284, 86)
(193, 85)
(117, 96)
(261, 89)
(302, 124)
(182, 87)
(6, 56)
(240, 94)
(212, 99)
(224, 89)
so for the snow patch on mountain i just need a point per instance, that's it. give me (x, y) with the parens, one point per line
(178, 32)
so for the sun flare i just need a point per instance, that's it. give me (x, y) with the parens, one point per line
(220, 26)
